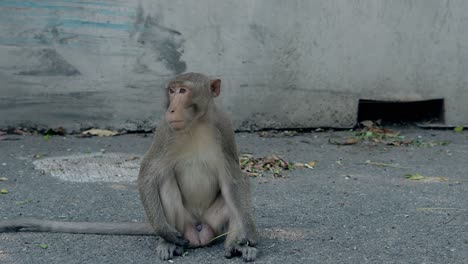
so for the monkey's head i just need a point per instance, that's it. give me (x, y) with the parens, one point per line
(189, 97)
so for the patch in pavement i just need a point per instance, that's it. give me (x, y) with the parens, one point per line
(94, 167)
(284, 234)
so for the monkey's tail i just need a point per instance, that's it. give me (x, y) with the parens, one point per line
(39, 225)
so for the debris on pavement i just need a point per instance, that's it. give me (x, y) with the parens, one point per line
(255, 167)
(458, 129)
(20, 203)
(423, 178)
(373, 133)
(43, 246)
(59, 131)
(277, 133)
(99, 133)
(381, 164)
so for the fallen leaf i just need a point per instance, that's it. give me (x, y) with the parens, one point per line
(380, 164)
(39, 155)
(344, 142)
(23, 202)
(21, 132)
(458, 129)
(3, 179)
(298, 165)
(419, 177)
(255, 166)
(132, 158)
(351, 140)
(100, 132)
(43, 246)
(60, 131)
(367, 123)
(414, 177)
(3, 191)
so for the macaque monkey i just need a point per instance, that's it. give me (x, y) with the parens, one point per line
(190, 181)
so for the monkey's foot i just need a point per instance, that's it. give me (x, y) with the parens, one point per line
(248, 253)
(168, 250)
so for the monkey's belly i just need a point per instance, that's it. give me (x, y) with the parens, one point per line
(199, 187)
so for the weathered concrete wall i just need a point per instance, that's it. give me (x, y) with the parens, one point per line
(76, 63)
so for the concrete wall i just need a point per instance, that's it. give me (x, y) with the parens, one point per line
(103, 63)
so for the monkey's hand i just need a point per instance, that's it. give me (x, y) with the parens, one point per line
(241, 245)
(170, 234)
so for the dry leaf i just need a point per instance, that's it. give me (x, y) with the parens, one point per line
(344, 142)
(255, 166)
(380, 164)
(43, 246)
(367, 123)
(21, 132)
(310, 165)
(458, 129)
(100, 132)
(414, 177)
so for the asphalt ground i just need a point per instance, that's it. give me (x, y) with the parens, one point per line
(354, 206)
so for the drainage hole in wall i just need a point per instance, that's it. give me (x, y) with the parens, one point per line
(393, 112)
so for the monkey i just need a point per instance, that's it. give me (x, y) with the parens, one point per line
(190, 182)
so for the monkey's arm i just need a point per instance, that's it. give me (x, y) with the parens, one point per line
(235, 188)
(150, 179)
(149, 192)
(236, 191)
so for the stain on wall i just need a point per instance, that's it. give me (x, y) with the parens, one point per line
(49, 63)
(165, 42)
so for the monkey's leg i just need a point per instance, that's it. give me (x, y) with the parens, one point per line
(242, 235)
(176, 216)
(217, 217)
(197, 231)
(173, 206)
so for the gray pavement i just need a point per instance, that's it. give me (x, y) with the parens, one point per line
(343, 211)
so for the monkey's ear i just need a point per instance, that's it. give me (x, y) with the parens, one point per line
(215, 87)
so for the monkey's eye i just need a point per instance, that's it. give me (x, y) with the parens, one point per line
(171, 91)
(182, 90)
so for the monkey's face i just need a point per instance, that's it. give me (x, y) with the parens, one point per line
(181, 110)
(189, 101)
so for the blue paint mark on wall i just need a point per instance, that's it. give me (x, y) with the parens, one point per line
(78, 8)
(70, 23)
(52, 21)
